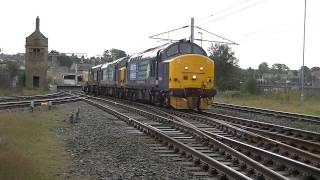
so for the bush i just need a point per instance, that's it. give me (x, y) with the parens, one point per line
(250, 87)
(230, 94)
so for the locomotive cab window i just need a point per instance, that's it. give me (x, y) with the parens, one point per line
(185, 48)
(173, 50)
(198, 50)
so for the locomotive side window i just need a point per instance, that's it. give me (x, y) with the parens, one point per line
(94, 75)
(143, 70)
(133, 71)
(104, 74)
(110, 74)
(173, 50)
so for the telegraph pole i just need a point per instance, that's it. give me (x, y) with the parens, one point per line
(304, 39)
(192, 30)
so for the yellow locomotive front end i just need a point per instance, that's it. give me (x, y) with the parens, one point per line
(191, 82)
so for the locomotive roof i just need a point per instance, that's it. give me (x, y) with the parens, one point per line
(97, 66)
(149, 53)
(152, 52)
(105, 65)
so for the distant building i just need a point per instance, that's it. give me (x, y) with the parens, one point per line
(36, 59)
(58, 73)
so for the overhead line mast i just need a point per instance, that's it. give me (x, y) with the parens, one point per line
(192, 39)
(192, 30)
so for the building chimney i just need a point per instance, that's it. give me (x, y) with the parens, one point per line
(38, 24)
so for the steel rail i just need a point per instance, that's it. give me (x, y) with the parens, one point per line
(293, 151)
(282, 114)
(298, 133)
(15, 98)
(310, 146)
(19, 104)
(312, 171)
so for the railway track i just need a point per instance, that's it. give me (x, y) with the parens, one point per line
(268, 112)
(35, 97)
(53, 101)
(305, 140)
(294, 143)
(210, 148)
(241, 134)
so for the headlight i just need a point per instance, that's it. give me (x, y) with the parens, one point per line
(186, 68)
(201, 68)
(194, 77)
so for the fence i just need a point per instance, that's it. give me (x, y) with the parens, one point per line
(313, 91)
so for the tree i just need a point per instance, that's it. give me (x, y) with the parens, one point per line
(13, 68)
(65, 60)
(314, 69)
(263, 68)
(113, 54)
(307, 74)
(116, 54)
(226, 67)
(250, 86)
(107, 56)
(279, 68)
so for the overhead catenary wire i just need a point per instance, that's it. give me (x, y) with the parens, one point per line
(234, 12)
(230, 41)
(219, 42)
(265, 30)
(153, 36)
(223, 10)
(225, 40)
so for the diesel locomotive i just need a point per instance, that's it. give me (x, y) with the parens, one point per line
(179, 75)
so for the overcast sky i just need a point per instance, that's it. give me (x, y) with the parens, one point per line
(266, 30)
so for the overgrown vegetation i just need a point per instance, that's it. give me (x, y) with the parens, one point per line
(282, 101)
(29, 148)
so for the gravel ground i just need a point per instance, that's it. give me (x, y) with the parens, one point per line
(101, 148)
(270, 119)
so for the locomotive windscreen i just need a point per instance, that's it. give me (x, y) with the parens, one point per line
(184, 48)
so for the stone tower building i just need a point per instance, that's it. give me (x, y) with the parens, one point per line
(36, 59)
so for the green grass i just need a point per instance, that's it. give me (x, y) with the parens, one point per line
(29, 149)
(22, 92)
(289, 101)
